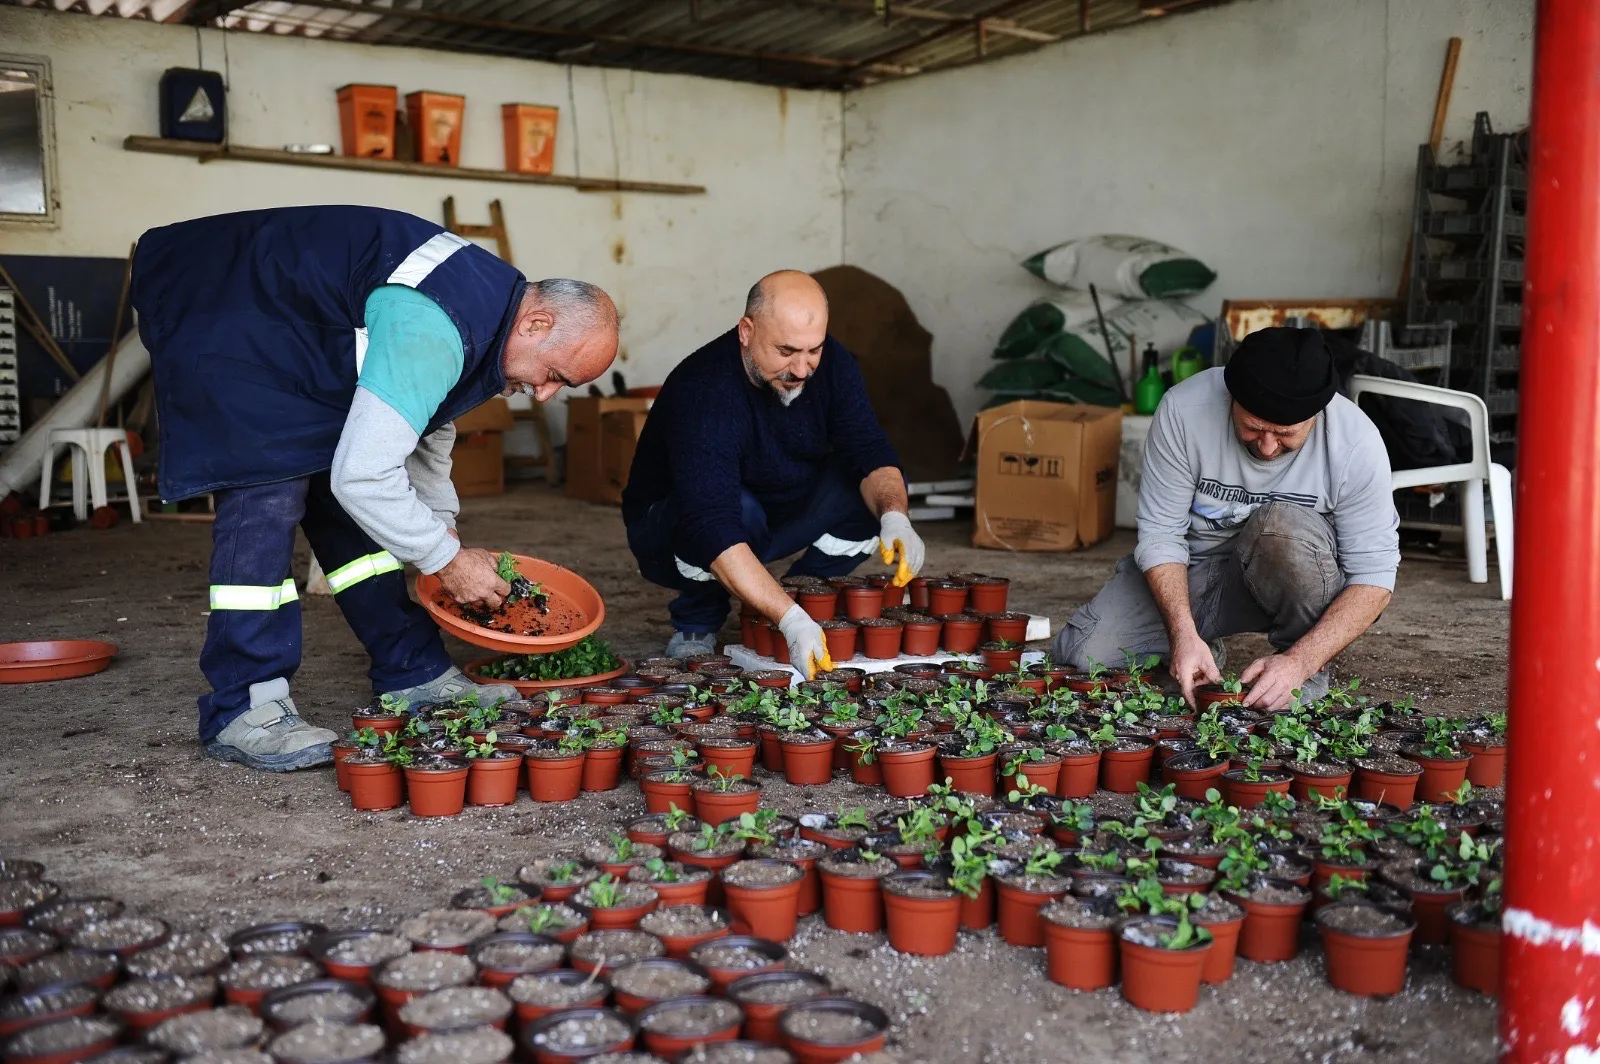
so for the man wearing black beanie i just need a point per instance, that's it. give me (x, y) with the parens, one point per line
(1265, 505)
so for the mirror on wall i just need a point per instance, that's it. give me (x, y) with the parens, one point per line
(26, 191)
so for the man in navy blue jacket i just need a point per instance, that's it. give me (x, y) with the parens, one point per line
(762, 444)
(308, 363)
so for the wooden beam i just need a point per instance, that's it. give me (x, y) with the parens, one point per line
(1447, 83)
(206, 10)
(1003, 27)
(876, 63)
(1083, 16)
(239, 153)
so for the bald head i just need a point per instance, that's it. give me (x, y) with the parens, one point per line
(781, 335)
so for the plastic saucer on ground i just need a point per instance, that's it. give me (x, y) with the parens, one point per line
(53, 659)
(575, 610)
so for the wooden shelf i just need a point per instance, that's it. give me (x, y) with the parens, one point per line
(206, 153)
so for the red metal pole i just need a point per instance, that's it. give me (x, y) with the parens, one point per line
(1550, 1010)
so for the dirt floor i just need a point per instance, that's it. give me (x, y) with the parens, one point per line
(104, 782)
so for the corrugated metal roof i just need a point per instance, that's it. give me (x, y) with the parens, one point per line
(838, 43)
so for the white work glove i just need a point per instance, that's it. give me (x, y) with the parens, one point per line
(808, 650)
(895, 537)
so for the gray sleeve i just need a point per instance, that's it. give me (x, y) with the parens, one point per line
(429, 470)
(371, 482)
(1365, 523)
(1166, 493)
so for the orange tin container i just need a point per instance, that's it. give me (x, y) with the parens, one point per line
(435, 119)
(366, 120)
(530, 136)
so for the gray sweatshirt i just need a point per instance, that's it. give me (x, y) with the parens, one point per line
(1200, 484)
(396, 484)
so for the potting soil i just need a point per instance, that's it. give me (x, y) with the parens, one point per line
(184, 953)
(614, 947)
(228, 1056)
(683, 921)
(1360, 919)
(328, 1043)
(155, 995)
(268, 971)
(368, 949)
(431, 970)
(44, 1002)
(66, 916)
(447, 928)
(462, 1006)
(333, 1006)
(690, 1019)
(539, 872)
(582, 1032)
(230, 1027)
(1071, 911)
(482, 1045)
(561, 916)
(630, 895)
(118, 933)
(606, 852)
(63, 1036)
(731, 1053)
(519, 956)
(827, 1026)
(287, 940)
(658, 981)
(552, 992)
(791, 988)
(727, 957)
(761, 874)
(72, 966)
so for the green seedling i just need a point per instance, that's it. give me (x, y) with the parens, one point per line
(661, 871)
(622, 847)
(393, 706)
(1042, 862)
(970, 867)
(720, 783)
(1339, 886)
(501, 893)
(563, 872)
(486, 748)
(602, 893)
(854, 818)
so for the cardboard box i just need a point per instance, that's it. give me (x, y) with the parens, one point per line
(619, 436)
(478, 459)
(1047, 475)
(586, 477)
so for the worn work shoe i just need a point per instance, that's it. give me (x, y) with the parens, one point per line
(272, 737)
(451, 686)
(689, 644)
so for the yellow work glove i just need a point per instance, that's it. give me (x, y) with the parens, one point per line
(897, 539)
(808, 649)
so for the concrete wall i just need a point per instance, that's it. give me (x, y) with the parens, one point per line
(1274, 139)
(678, 266)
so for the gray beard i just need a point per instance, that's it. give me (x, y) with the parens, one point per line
(785, 395)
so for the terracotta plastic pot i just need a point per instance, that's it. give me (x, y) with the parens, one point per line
(1012, 628)
(1046, 774)
(809, 1052)
(1368, 965)
(549, 1056)
(1475, 957)
(1003, 660)
(978, 913)
(989, 595)
(917, 593)
(557, 779)
(780, 646)
(863, 603)
(946, 598)
(375, 786)
(493, 780)
(1194, 782)
(1429, 908)
(1488, 765)
(970, 775)
(529, 1013)
(771, 748)
(1080, 775)
(841, 640)
(760, 1017)
(1271, 931)
(920, 639)
(867, 773)
(714, 807)
(601, 767)
(1224, 948)
(671, 1046)
(1162, 980)
(1247, 794)
(381, 725)
(618, 918)
(343, 750)
(774, 956)
(1080, 958)
(633, 1004)
(437, 792)
(881, 642)
(1390, 787)
(1441, 777)
(1121, 771)
(682, 893)
(962, 634)
(763, 633)
(661, 795)
(923, 926)
(765, 912)
(851, 903)
(807, 763)
(1308, 788)
(819, 605)
(731, 756)
(907, 773)
(1019, 913)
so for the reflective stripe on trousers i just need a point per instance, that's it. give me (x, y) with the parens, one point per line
(362, 568)
(246, 597)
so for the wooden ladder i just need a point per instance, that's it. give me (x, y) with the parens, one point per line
(496, 230)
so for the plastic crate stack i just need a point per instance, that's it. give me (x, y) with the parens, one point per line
(1468, 238)
(10, 393)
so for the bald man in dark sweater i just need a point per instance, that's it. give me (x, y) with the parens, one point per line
(762, 444)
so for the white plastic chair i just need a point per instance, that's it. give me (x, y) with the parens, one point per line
(1467, 476)
(88, 450)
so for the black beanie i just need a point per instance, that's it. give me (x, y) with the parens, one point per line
(1281, 375)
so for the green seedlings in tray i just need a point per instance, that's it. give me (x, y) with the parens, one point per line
(521, 586)
(1339, 886)
(970, 868)
(590, 656)
(501, 893)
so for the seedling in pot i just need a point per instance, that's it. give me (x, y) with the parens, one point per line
(1425, 833)
(661, 871)
(1439, 738)
(1022, 759)
(708, 838)
(367, 738)
(501, 893)
(921, 825)
(563, 872)
(1242, 862)
(1278, 805)
(969, 866)
(864, 745)
(622, 847)
(676, 818)
(1060, 733)
(602, 893)
(1152, 806)
(1042, 862)
(1105, 735)
(722, 784)
(1232, 685)
(1138, 666)
(542, 918)
(1344, 842)
(755, 827)
(396, 752)
(1461, 795)
(1076, 816)
(1100, 862)
(666, 716)
(476, 750)
(1339, 886)
(842, 714)
(1493, 897)
(521, 586)
(1024, 791)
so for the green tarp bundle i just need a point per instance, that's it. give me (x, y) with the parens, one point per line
(1127, 266)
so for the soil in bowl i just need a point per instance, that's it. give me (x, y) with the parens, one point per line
(456, 1007)
(49, 1002)
(724, 955)
(658, 980)
(829, 1026)
(610, 949)
(583, 1032)
(737, 1053)
(286, 936)
(70, 1039)
(562, 873)
(693, 1018)
(185, 953)
(481, 1045)
(232, 1027)
(685, 921)
(267, 971)
(326, 1000)
(422, 972)
(71, 966)
(534, 954)
(161, 994)
(328, 1043)
(59, 916)
(123, 934)
(447, 929)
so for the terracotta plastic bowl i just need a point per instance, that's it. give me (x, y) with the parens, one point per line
(576, 610)
(53, 659)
